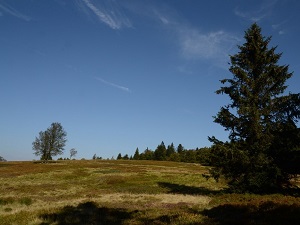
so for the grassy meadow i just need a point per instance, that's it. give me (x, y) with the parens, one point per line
(130, 192)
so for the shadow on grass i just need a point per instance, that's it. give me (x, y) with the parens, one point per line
(86, 213)
(188, 190)
(293, 191)
(164, 219)
(267, 213)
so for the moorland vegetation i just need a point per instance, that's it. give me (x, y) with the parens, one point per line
(131, 192)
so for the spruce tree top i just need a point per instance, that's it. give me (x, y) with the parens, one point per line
(255, 89)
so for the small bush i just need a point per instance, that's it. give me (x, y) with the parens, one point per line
(25, 201)
(6, 201)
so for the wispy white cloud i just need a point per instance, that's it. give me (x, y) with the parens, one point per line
(206, 45)
(262, 11)
(252, 16)
(279, 27)
(11, 11)
(109, 13)
(192, 43)
(113, 84)
(162, 18)
(195, 44)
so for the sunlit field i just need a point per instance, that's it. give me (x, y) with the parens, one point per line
(130, 192)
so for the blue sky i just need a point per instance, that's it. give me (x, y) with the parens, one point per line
(125, 74)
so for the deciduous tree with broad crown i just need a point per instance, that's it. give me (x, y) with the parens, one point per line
(50, 142)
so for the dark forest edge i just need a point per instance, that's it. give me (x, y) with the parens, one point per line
(170, 153)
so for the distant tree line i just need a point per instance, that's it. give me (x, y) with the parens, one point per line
(170, 153)
(2, 159)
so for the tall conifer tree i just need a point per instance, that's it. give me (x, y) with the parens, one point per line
(258, 113)
(136, 154)
(160, 152)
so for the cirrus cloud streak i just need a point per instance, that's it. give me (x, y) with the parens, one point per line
(109, 13)
(126, 89)
(12, 11)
